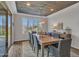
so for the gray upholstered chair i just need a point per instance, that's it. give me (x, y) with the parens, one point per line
(55, 35)
(36, 44)
(63, 48)
(31, 41)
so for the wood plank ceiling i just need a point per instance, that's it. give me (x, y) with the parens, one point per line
(42, 8)
(2, 10)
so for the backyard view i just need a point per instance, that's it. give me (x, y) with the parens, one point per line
(30, 24)
(3, 33)
(2, 26)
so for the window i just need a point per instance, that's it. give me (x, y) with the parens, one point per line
(2, 34)
(2, 25)
(30, 24)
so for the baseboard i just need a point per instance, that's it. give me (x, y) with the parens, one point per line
(21, 41)
(16, 42)
(74, 48)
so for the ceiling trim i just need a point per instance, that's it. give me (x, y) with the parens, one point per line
(31, 15)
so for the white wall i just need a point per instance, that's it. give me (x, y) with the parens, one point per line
(18, 35)
(70, 17)
(18, 28)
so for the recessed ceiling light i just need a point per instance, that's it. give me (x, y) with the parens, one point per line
(40, 8)
(51, 9)
(28, 4)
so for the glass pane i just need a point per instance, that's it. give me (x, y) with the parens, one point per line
(32, 24)
(2, 34)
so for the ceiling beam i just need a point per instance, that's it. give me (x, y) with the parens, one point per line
(31, 15)
(12, 6)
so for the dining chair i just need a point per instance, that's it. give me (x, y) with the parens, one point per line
(55, 35)
(62, 49)
(37, 46)
(31, 41)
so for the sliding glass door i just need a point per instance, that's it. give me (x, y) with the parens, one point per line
(5, 30)
(2, 35)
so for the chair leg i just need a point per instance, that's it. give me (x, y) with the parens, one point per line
(47, 52)
(32, 46)
(34, 49)
(37, 52)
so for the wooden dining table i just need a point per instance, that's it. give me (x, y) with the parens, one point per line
(46, 40)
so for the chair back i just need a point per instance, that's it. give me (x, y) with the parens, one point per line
(64, 47)
(36, 43)
(55, 35)
(31, 38)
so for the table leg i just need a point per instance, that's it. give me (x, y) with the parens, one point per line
(42, 50)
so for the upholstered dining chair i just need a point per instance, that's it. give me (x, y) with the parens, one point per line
(37, 46)
(62, 49)
(55, 35)
(31, 41)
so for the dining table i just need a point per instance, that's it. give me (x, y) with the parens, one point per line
(46, 40)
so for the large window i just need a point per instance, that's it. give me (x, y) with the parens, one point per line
(2, 25)
(2, 34)
(30, 24)
(5, 29)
